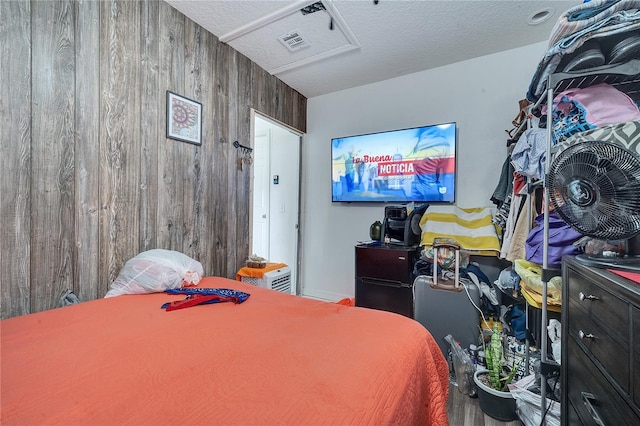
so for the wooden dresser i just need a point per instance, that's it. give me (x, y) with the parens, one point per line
(600, 347)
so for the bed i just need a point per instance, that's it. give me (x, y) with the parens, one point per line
(274, 359)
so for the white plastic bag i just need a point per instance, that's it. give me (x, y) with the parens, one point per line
(554, 330)
(463, 367)
(528, 404)
(155, 271)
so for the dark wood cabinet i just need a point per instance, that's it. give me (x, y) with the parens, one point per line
(600, 347)
(384, 277)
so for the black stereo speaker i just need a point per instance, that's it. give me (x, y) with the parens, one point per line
(402, 227)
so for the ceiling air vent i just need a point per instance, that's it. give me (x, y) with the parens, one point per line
(293, 40)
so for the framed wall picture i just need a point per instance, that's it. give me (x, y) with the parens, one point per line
(184, 119)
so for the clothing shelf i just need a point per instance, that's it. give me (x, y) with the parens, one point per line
(624, 77)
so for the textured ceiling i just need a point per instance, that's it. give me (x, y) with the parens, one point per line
(369, 42)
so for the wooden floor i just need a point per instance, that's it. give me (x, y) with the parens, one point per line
(465, 411)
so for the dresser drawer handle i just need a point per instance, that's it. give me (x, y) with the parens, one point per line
(582, 297)
(585, 336)
(587, 398)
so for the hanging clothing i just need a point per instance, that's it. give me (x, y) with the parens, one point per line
(505, 183)
(528, 156)
(521, 231)
(516, 203)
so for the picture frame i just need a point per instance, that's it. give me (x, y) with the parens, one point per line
(184, 119)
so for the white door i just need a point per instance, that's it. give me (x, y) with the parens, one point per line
(276, 183)
(260, 242)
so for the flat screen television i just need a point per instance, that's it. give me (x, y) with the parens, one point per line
(399, 166)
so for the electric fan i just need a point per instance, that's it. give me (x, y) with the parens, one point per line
(594, 186)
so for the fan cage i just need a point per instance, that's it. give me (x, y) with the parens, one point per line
(595, 188)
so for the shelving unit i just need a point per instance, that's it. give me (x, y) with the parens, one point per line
(624, 77)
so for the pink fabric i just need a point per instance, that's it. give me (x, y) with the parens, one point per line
(604, 104)
(633, 276)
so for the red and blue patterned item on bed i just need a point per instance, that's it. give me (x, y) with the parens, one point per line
(204, 296)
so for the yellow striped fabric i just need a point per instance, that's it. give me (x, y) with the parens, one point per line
(470, 227)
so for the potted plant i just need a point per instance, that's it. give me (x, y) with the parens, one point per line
(493, 394)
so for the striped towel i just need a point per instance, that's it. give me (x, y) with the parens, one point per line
(471, 228)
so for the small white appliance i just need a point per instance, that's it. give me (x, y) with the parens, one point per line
(278, 279)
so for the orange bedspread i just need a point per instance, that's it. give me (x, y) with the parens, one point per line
(275, 359)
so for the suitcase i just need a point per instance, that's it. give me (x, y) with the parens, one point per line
(445, 306)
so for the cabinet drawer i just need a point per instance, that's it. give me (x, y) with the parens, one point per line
(591, 394)
(572, 418)
(385, 264)
(599, 304)
(601, 343)
(384, 295)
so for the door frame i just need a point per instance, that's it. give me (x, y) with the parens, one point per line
(295, 285)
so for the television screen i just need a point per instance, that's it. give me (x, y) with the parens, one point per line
(400, 166)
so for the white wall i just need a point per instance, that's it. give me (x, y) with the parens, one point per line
(481, 95)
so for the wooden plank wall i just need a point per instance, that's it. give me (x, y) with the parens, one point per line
(88, 177)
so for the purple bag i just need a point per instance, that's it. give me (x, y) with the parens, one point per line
(561, 239)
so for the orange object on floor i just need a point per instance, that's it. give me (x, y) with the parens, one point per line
(257, 272)
(347, 301)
